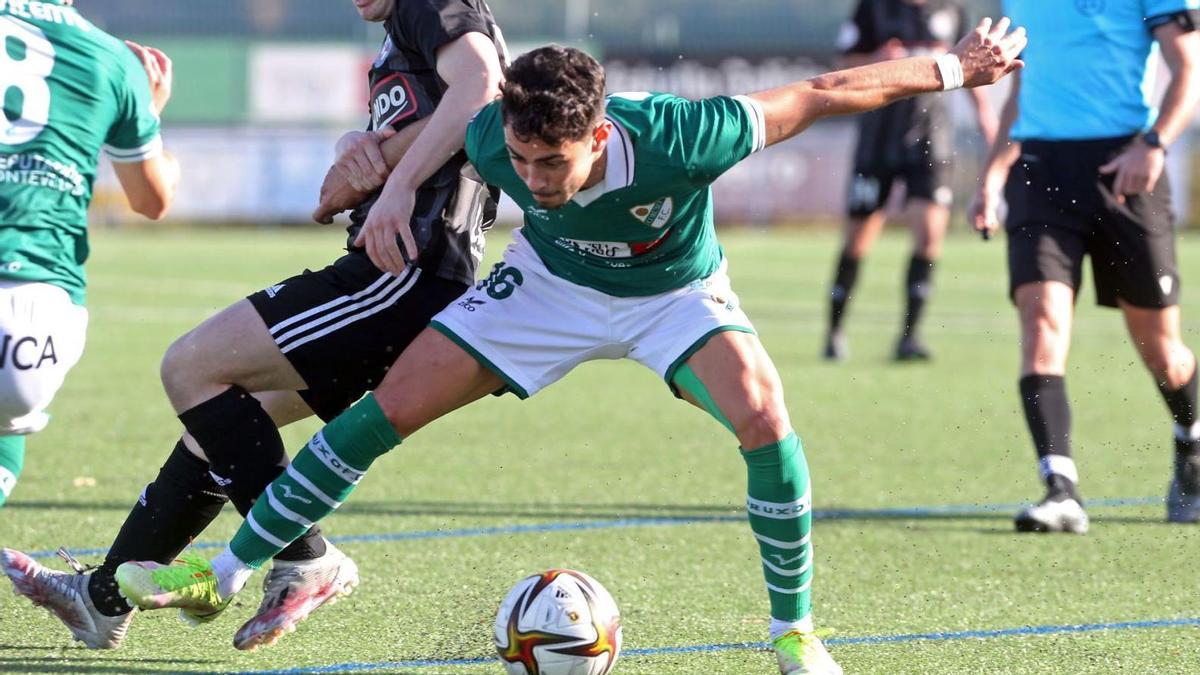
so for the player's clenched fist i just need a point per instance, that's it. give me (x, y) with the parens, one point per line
(989, 52)
(361, 161)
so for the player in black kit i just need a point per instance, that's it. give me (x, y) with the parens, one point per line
(316, 342)
(908, 141)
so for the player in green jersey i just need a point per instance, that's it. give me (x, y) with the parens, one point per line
(70, 89)
(617, 259)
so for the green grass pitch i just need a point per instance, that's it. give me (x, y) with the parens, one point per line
(610, 447)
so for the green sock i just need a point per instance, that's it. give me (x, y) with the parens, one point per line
(318, 480)
(779, 506)
(12, 460)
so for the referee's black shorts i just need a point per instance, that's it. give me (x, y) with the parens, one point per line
(342, 327)
(1060, 209)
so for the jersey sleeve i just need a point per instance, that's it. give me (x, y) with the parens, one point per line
(431, 24)
(858, 35)
(134, 134)
(713, 134)
(1161, 12)
(482, 133)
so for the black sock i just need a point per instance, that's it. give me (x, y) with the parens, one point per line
(1182, 404)
(843, 286)
(1048, 414)
(917, 284)
(171, 511)
(246, 453)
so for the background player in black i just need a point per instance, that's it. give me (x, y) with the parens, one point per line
(909, 140)
(316, 342)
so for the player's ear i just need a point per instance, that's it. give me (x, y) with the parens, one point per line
(600, 135)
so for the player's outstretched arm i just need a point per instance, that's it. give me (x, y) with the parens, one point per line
(985, 55)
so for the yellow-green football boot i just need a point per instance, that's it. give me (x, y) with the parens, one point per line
(803, 653)
(188, 582)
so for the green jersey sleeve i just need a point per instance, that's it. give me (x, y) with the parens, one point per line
(481, 132)
(133, 136)
(713, 134)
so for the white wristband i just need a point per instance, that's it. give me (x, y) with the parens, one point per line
(951, 69)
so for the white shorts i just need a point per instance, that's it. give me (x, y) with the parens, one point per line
(531, 327)
(41, 338)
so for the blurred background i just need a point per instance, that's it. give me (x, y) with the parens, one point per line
(263, 88)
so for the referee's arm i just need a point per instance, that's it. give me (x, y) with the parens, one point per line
(983, 211)
(1139, 167)
(1181, 52)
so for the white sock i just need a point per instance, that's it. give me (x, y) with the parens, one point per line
(232, 573)
(779, 627)
(1059, 464)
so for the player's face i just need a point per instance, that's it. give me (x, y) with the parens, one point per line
(554, 173)
(374, 10)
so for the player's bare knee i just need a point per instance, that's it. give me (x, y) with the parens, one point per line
(928, 246)
(168, 368)
(1159, 365)
(178, 370)
(1168, 361)
(1044, 334)
(400, 410)
(762, 424)
(1044, 346)
(858, 242)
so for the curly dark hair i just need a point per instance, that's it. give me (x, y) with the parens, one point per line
(554, 94)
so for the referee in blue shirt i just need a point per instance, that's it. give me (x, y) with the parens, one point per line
(1081, 148)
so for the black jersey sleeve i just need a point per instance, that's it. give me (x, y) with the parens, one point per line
(859, 35)
(428, 25)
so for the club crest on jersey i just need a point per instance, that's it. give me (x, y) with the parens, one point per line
(391, 101)
(655, 214)
(1089, 7)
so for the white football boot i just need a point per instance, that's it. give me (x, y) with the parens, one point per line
(65, 595)
(292, 590)
(1059, 511)
(1049, 515)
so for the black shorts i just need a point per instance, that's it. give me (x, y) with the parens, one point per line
(871, 187)
(342, 327)
(1060, 209)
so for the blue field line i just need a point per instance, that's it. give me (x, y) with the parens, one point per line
(736, 646)
(818, 514)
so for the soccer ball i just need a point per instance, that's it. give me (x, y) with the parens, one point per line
(559, 622)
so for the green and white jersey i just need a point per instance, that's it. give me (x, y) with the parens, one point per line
(647, 228)
(68, 89)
